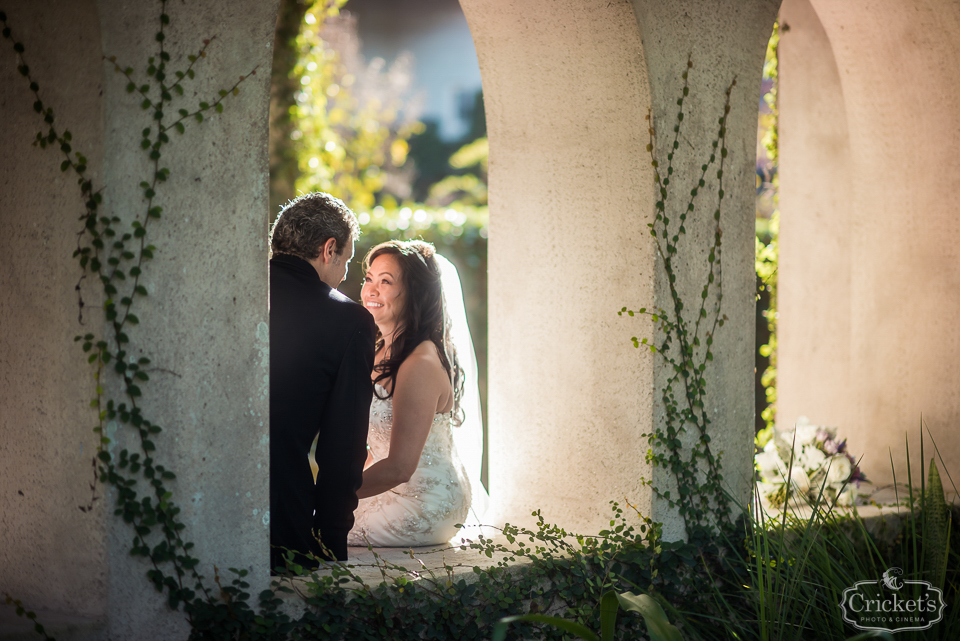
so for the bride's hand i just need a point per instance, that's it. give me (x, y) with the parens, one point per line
(370, 459)
(422, 384)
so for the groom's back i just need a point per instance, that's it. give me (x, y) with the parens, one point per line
(321, 357)
(310, 327)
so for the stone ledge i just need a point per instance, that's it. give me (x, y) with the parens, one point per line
(882, 515)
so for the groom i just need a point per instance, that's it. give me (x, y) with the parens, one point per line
(321, 356)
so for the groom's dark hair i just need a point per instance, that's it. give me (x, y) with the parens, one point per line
(309, 221)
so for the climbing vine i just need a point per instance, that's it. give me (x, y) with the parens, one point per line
(114, 255)
(686, 343)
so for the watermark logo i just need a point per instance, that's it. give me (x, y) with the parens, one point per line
(892, 604)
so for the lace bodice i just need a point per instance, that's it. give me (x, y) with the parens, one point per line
(424, 510)
(439, 441)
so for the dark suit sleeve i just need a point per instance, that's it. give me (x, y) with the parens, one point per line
(342, 446)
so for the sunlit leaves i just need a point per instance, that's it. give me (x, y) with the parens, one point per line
(346, 141)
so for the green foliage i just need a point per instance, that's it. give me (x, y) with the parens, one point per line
(339, 122)
(658, 626)
(469, 189)
(541, 572)
(768, 233)
(686, 342)
(936, 527)
(783, 576)
(22, 611)
(451, 172)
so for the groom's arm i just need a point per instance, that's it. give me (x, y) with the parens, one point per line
(342, 444)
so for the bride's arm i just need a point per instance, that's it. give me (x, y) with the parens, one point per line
(421, 383)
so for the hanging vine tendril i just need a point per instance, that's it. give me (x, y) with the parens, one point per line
(687, 343)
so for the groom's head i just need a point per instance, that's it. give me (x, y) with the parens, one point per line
(320, 229)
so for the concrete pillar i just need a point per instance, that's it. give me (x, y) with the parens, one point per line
(203, 325)
(52, 555)
(869, 260)
(567, 86)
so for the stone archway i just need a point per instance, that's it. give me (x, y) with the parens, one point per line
(567, 85)
(869, 267)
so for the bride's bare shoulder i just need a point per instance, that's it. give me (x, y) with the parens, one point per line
(423, 360)
(426, 353)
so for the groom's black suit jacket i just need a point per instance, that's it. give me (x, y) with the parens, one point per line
(321, 357)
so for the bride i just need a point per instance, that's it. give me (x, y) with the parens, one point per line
(415, 489)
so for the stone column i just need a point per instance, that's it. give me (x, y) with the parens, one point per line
(567, 87)
(52, 555)
(203, 324)
(868, 235)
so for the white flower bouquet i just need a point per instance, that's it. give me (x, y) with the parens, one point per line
(822, 469)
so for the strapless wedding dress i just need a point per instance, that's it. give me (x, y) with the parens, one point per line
(426, 509)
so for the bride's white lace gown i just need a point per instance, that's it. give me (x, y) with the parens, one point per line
(426, 509)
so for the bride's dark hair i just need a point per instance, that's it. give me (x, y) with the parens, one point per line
(422, 317)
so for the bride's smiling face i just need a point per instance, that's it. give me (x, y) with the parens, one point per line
(382, 292)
